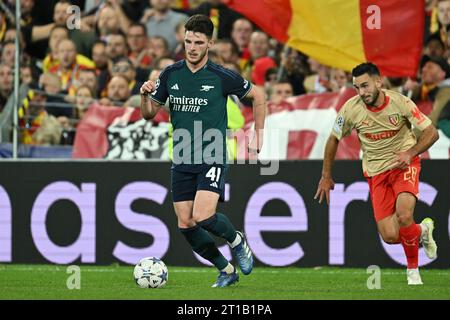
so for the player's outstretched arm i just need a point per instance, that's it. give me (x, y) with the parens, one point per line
(428, 137)
(326, 182)
(149, 108)
(259, 114)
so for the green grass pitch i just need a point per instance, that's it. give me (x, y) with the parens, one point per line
(116, 282)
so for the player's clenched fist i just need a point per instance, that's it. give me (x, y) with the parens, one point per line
(147, 87)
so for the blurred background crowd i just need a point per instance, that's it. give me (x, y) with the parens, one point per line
(67, 64)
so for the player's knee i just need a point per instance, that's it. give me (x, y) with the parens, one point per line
(201, 216)
(390, 237)
(404, 218)
(186, 223)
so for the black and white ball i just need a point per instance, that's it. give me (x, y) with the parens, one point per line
(151, 272)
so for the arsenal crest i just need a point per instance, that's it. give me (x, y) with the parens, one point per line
(394, 119)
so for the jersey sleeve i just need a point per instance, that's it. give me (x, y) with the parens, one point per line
(160, 94)
(411, 112)
(342, 125)
(234, 83)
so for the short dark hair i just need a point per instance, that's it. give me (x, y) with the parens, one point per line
(234, 47)
(139, 25)
(200, 23)
(118, 33)
(99, 41)
(367, 67)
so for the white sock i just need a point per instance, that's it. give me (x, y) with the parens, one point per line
(228, 269)
(236, 241)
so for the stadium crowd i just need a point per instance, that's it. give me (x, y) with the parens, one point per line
(67, 64)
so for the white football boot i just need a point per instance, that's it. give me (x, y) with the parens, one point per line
(413, 276)
(426, 238)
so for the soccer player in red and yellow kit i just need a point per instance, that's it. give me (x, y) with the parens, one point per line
(383, 120)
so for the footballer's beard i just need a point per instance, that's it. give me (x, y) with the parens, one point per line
(198, 58)
(371, 102)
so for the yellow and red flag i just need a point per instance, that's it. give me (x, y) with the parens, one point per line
(345, 33)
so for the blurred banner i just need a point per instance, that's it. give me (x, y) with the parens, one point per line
(297, 128)
(89, 212)
(121, 133)
(343, 34)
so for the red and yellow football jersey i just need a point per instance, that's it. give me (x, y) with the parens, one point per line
(382, 131)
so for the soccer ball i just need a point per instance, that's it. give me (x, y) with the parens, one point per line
(151, 272)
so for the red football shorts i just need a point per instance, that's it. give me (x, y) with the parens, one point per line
(386, 186)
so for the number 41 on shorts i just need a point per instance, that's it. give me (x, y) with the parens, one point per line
(214, 174)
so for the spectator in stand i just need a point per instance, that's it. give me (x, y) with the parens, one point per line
(84, 98)
(27, 75)
(49, 132)
(434, 86)
(101, 63)
(118, 92)
(339, 80)
(116, 46)
(69, 66)
(6, 84)
(8, 52)
(319, 80)
(271, 78)
(99, 56)
(54, 99)
(50, 83)
(83, 38)
(443, 14)
(123, 67)
(10, 35)
(258, 45)
(34, 31)
(24, 57)
(240, 34)
(44, 104)
(87, 78)
(260, 62)
(57, 34)
(107, 22)
(161, 20)
(137, 42)
(32, 116)
(281, 90)
(228, 50)
(158, 47)
(434, 46)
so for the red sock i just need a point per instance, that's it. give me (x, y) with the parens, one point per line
(409, 237)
